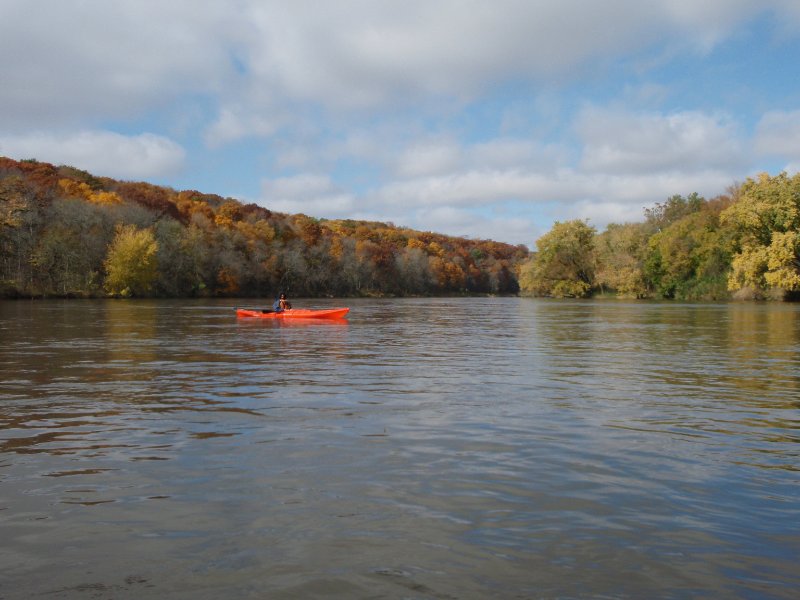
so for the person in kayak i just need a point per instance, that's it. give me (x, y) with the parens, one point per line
(281, 303)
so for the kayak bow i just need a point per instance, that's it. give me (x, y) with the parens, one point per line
(294, 313)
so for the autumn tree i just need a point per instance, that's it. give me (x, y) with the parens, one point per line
(132, 262)
(77, 189)
(664, 214)
(564, 265)
(620, 260)
(690, 258)
(767, 221)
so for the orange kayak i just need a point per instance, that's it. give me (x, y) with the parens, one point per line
(294, 313)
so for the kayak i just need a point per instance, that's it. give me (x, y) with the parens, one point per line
(294, 313)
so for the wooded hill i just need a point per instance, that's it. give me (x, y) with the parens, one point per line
(67, 233)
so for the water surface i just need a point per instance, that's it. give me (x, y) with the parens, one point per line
(432, 448)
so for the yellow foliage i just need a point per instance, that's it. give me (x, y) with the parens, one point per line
(748, 268)
(434, 249)
(131, 263)
(570, 289)
(77, 189)
(783, 258)
(415, 243)
(767, 216)
(222, 220)
(104, 198)
(564, 265)
(337, 248)
(260, 230)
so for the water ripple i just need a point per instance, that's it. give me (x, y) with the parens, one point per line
(441, 448)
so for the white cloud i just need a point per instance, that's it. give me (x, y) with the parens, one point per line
(308, 193)
(429, 158)
(600, 213)
(567, 186)
(622, 198)
(100, 152)
(233, 125)
(126, 56)
(455, 221)
(317, 195)
(620, 142)
(298, 186)
(366, 53)
(468, 188)
(355, 56)
(778, 133)
(74, 62)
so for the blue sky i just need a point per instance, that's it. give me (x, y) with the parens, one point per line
(482, 119)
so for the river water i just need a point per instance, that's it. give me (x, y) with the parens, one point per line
(425, 448)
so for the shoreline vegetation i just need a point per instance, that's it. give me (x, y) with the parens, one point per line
(66, 233)
(743, 245)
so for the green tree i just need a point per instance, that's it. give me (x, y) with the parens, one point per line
(662, 215)
(690, 259)
(766, 218)
(132, 262)
(620, 250)
(564, 266)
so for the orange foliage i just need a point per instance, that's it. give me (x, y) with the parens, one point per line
(228, 213)
(434, 249)
(42, 175)
(188, 207)
(260, 230)
(337, 248)
(158, 199)
(308, 229)
(415, 243)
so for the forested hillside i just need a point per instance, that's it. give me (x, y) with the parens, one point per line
(65, 232)
(745, 244)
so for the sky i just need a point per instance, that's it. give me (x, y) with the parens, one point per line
(486, 119)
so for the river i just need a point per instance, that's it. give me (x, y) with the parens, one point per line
(423, 448)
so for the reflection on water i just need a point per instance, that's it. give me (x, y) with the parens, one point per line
(438, 448)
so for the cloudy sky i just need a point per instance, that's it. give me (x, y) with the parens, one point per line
(489, 119)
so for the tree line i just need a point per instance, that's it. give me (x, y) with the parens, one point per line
(744, 244)
(67, 233)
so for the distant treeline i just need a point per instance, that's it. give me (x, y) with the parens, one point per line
(67, 233)
(745, 244)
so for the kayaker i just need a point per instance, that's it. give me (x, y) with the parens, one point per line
(281, 303)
